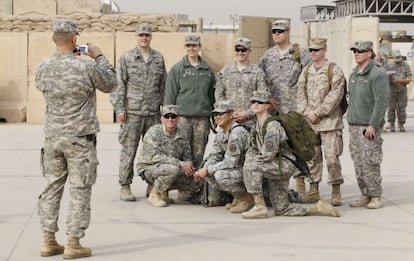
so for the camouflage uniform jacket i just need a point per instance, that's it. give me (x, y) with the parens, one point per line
(316, 95)
(159, 147)
(266, 149)
(282, 73)
(228, 149)
(69, 86)
(141, 85)
(191, 88)
(369, 95)
(402, 72)
(238, 86)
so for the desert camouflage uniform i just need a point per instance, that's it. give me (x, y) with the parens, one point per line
(316, 95)
(225, 162)
(69, 86)
(282, 73)
(238, 87)
(263, 161)
(141, 87)
(160, 157)
(398, 92)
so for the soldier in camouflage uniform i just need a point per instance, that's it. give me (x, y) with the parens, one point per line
(319, 101)
(223, 167)
(264, 160)
(398, 98)
(190, 84)
(237, 81)
(282, 65)
(141, 84)
(165, 161)
(69, 85)
(368, 100)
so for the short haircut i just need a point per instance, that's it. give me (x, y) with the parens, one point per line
(62, 38)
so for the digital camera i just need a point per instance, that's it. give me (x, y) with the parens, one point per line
(82, 48)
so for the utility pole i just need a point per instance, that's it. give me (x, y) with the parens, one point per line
(234, 19)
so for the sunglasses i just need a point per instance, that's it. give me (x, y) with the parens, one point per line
(243, 50)
(258, 102)
(313, 50)
(359, 51)
(279, 31)
(170, 116)
(219, 113)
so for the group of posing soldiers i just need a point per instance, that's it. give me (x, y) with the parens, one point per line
(172, 114)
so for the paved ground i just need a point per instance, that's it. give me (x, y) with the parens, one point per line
(137, 231)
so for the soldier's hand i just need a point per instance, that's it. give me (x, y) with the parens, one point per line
(239, 116)
(369, 133)
(121, 117)
(93, 51)
(187, 167)
(200, 174)
(274, 105)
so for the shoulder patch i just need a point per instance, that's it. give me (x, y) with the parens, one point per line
(269, 145)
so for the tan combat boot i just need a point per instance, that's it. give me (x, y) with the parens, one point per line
(126, 194)
(322, 208)
(166, 198)
(376, 202)
(245, 203)
(49, 246)
(236, 198)
(336, 199)
(155, 199)
(361, 202)
(259, 210)
(301, 188)
(75, 250)
(313, 195)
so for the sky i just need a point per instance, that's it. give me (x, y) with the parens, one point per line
(219, 11)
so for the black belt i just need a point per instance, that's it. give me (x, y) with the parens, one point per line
(361, 125)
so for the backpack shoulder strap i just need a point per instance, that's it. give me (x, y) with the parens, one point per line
(330, 76)
(296, 53)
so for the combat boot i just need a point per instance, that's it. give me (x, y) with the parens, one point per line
(301, 187)
(313, 195)
(166, 198)
(245, 203)
(259, 210)
(322, 208)
(401, 127)
(236, 199)
(336, 195)
(376, 202)
(155, 199)
(49, 246)
(126, 194)
(75, 250)
(392, 127)
(361, 202)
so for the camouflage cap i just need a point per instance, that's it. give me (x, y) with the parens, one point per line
(65, 25)
(166, 109)
(262, 96)
(362, 45)
(144, 29)
(396, 53)
(223, 106)
(192, 39)
(317, 43)
(242, 41)
(281, 25)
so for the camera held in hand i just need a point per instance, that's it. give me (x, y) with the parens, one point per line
(82, 48)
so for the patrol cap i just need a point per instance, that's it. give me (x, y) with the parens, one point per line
(317, 43)
(243, 41)
(65, 25)
(281, 25)
(169, 109)
(362, 46)
(261, 96)
(144, 28)
(223, 106)
(192, 39)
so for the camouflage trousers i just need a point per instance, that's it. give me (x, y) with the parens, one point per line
(332, 145)
(166, 177)
(129, 137)
(229, 180)
(367, 157)
(398, 104)
(73, 159)
(278, 179)
(198, 128)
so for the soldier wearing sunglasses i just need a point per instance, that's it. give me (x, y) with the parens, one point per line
(282, 65)
(237, 81)
(165, 161)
